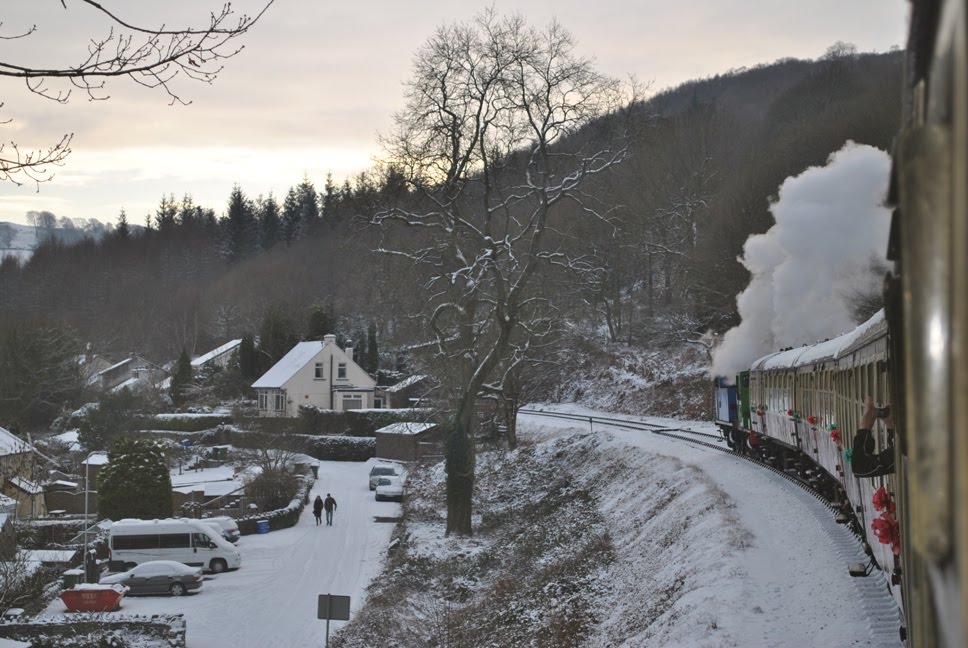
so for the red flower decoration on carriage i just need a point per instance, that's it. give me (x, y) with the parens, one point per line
(888, 531)
(882, 500)
(835, 435)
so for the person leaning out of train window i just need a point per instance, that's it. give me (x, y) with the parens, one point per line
(864, 461)
(738, 437)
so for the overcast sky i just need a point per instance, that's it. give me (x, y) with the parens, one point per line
(319, 80)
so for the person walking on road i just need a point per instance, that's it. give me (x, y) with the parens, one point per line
(330, 506)
(318, 510)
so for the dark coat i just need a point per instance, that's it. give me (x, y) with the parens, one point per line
(317, 507)
(330, 503)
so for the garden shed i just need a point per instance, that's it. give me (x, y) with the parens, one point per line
(408, 441)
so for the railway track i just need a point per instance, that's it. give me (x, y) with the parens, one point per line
(714, 441)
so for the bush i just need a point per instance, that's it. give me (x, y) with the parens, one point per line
(135, 483)
(194, 423)
(280, 518)
(274, 488)
(341, 448)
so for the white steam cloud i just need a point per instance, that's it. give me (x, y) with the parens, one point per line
(831, 226)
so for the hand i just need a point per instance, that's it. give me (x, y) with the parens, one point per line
(889, 419)
(868, 418)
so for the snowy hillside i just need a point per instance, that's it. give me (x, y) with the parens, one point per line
(621, 538)
(670, 381)
(17, 240)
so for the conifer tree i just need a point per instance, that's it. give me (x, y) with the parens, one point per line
(372, 350)
(181, 379)
(166, 213)
(240, 225)
(329, 201)
(321, 322)
(123, 230)
(269, 222)
(135, 483)
(291, 218)
(249, 365)
(307, 201)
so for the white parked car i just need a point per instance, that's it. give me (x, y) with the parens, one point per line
(389, 489)
(382, 470)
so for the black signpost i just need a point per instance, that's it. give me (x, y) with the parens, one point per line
(331, 606)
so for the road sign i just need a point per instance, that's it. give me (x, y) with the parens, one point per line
(333, 607)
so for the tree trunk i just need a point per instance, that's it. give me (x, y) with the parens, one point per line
(460, 470)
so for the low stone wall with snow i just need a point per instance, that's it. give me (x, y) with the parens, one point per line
(84, 628)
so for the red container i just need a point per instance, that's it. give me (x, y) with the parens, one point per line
(93, 598)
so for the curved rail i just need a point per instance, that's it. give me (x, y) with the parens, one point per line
(683, 434)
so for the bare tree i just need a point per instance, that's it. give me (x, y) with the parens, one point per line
(149, 56)
(488, 146)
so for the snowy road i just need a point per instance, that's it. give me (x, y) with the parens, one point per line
(271, 600)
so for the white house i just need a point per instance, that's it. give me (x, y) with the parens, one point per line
(317, 374)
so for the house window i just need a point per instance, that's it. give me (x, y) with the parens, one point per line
(263, 400)
(319, 372)
(280, 403)
(341, 371)
(378, 402)
(352, 401)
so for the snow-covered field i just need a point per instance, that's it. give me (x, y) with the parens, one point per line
(698, 548)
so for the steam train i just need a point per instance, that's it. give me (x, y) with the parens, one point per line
(802, 406)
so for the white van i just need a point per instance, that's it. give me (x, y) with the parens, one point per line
(132, 542)
(225, 525)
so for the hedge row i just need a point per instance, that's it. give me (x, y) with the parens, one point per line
(340, 448)
(194, 423)
(280, 518)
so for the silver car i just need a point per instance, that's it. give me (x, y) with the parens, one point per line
(158, 577)
(381, 470)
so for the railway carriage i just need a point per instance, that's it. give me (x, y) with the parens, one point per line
(804, 404)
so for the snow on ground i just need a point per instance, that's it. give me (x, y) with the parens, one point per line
(271, 600)
(771, 571)
(709, 551)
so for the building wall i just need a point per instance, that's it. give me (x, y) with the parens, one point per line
(304, 389)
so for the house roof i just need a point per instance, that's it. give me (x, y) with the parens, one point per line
(26, 485)
(406, 428)
(115, 366)
(96, 459)
(403, 384)
(216, 352)
(11, 444)
(290, 363)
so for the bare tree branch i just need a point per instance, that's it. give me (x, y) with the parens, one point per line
(153, 57)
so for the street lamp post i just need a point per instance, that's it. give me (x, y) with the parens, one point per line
(87, 497)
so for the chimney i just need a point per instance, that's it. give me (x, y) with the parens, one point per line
(329, 339)
(349, 352)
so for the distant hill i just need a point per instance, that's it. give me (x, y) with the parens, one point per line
(17, 240)
(21, 240)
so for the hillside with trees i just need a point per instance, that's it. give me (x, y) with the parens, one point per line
(643, 253)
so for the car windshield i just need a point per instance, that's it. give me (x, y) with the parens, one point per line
(385, 481)
(384, 471)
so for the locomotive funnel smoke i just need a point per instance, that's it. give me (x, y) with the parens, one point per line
(829, 238)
